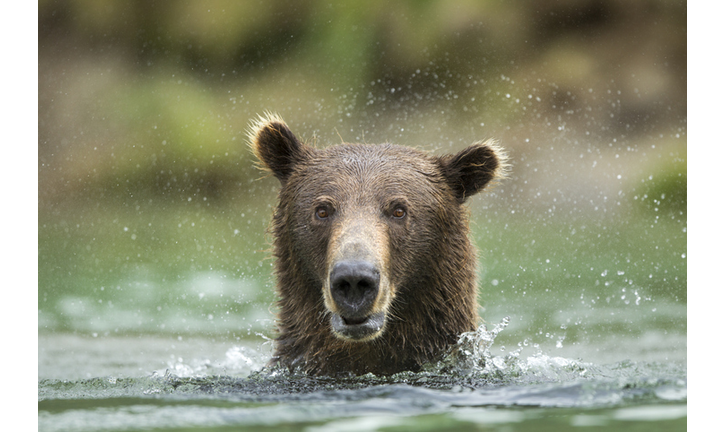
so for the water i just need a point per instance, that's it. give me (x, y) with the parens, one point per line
(585, 327)
(162, 318)
(141, 383)
(613, 397)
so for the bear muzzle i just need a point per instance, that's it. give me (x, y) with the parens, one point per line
(354, 287)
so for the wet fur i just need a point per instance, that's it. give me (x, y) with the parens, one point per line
(429, 260)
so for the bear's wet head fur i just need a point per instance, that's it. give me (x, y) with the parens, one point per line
(375, 270)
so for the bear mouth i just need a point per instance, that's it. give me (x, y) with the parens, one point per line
(358, 329)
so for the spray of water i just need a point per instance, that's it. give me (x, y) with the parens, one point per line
(471, 357)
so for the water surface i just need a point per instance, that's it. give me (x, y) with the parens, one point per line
(585, 327)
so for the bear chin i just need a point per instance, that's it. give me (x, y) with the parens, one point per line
(358, 330)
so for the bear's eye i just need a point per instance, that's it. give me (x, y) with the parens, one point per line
(398, 213)
(322, 213)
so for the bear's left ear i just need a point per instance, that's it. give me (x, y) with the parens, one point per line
(276, 147)
(469, 171)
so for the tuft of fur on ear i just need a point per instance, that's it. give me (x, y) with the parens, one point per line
(276, 147)
(473, 168)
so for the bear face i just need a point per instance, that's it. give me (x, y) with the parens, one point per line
(375, 271)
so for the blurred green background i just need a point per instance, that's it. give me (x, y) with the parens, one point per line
(152, 216)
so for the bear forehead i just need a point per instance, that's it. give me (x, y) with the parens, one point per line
(364, 174)
(380, 161)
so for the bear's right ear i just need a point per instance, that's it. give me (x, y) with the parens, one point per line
(276, 147)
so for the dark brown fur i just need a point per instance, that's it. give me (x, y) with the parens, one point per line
(343, 203)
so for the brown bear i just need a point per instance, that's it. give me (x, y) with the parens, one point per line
(375, 271)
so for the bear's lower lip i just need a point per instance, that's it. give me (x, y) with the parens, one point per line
(358, 329)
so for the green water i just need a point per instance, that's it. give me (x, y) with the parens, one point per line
(158, 317)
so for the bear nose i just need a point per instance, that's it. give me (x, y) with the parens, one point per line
(354, 286)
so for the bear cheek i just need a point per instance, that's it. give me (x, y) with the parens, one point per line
(409, 247)
(310, 243)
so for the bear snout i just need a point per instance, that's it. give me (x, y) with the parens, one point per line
(354, 286)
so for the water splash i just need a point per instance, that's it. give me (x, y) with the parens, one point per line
(471, 354)
(238, 361)
(471, 358)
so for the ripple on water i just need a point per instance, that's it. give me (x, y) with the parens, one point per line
(468, 385)
(468, 375)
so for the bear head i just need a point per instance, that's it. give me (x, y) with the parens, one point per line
(372, 249)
